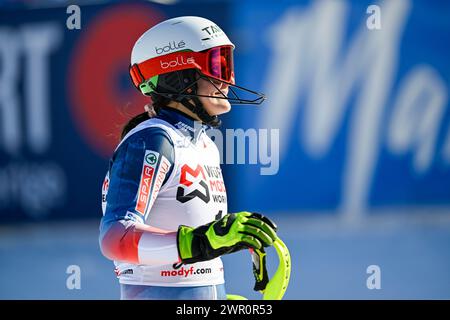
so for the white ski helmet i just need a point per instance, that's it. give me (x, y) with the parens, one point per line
(157, 51)
(169, 59)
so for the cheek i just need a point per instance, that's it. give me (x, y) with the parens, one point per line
(205, 88)
(215, 106)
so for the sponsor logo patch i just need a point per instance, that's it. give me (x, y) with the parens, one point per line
(185, 272)
(148, 170)
(171, 46)
(105, 187)
(160, 176)
(199, 175)
(127, 271)
(204, 182)
(151, 158)
(178, 62)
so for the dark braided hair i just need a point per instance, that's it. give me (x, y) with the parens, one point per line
(158, 103)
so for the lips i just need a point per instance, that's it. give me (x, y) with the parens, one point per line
(220, 94)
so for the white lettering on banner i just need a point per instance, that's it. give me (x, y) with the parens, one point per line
(10, 136)
(266, 145)
(262, 148)
(34, 187)
(311, 65)
(34, 42)
(38, 43)
(417, 116)
(241, 136)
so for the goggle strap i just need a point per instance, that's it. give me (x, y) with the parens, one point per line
(136, 75)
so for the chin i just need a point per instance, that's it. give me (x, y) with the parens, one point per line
(217, 107)
(222, 107)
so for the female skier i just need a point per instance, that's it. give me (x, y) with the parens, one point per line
(165, 220)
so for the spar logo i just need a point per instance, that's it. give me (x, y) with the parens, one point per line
(100, 93)
(144, 188)
(188, 189)
(148, 172)
(152, 178)
(151, 158)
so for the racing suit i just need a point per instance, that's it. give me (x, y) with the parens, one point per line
(164, 173)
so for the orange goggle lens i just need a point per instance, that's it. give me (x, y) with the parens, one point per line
(220, 63)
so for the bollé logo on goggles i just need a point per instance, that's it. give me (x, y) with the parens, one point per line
(179, 61)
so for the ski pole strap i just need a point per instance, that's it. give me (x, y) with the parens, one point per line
(277, 286)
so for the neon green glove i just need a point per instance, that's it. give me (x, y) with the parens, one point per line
(259, 262)
(233, 232)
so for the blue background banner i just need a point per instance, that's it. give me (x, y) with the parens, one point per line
(64, 96)
(363, 115)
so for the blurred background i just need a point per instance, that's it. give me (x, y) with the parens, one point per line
(357, 117)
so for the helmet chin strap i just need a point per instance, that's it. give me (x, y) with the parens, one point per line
(194, 105)
(181, 81)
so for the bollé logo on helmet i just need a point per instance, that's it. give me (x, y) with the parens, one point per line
(179, 61)
(171, 46)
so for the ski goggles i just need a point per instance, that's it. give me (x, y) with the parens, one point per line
(216, 63)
